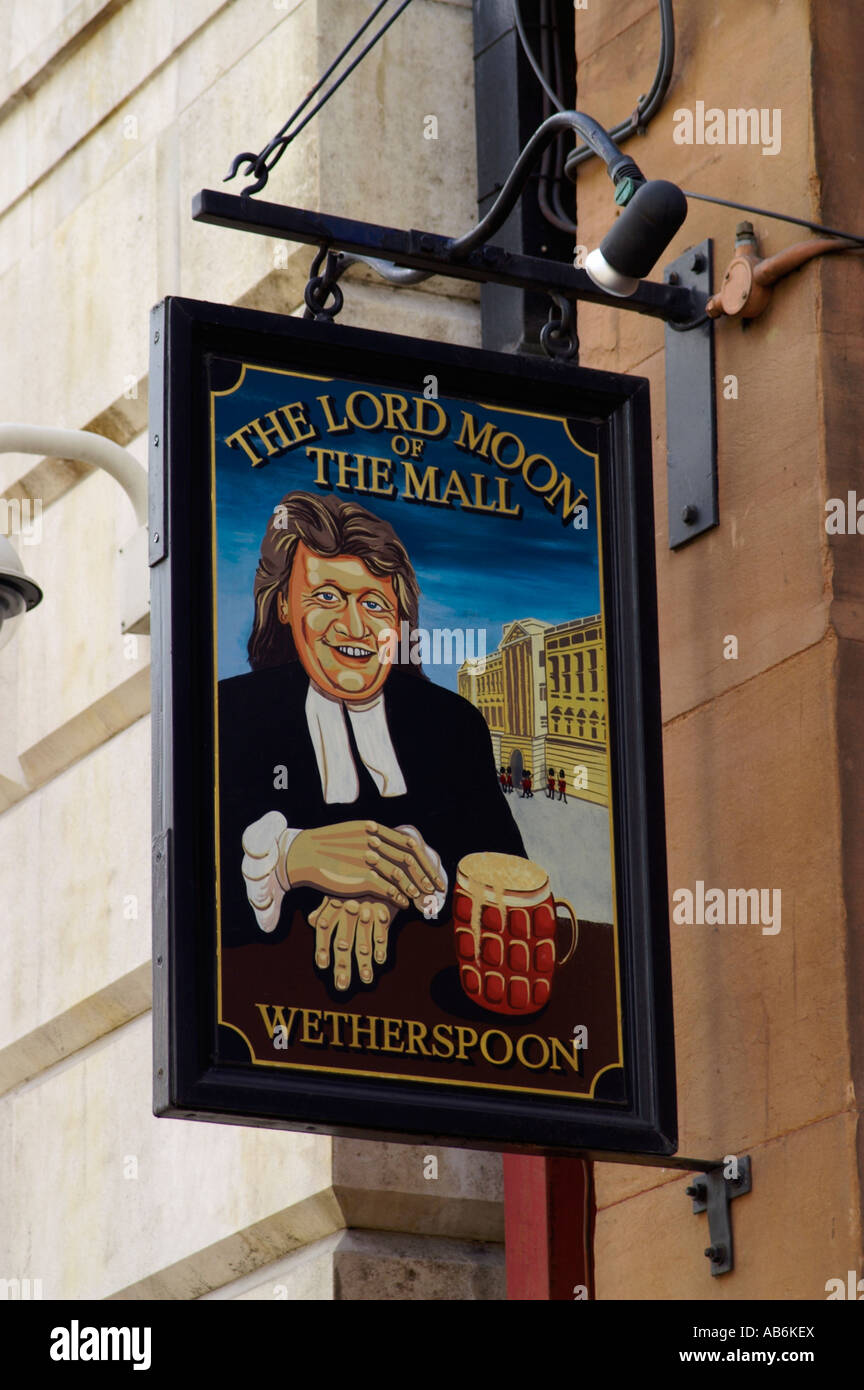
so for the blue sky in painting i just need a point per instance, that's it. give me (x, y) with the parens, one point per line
(476, 570)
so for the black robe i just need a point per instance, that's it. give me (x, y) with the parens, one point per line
(443, 747)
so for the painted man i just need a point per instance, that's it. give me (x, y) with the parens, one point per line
(325, 747)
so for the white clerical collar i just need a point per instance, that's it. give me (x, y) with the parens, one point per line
(325, 719)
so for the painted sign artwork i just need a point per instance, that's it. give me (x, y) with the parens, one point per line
(414, 857)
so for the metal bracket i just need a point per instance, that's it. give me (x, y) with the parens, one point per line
(691, 416)
(712, 1192)
(428, 251)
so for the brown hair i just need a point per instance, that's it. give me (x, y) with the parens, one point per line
(328, 526)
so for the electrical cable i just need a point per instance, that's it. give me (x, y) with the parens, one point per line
(778, 216)
(556, 215)
(558, 183)
(648, 105)
(527, 50)
(262, 163)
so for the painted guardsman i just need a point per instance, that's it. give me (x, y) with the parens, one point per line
(550, 784)
(562, 785)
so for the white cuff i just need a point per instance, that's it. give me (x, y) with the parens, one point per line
(430, 904)
(263, 843)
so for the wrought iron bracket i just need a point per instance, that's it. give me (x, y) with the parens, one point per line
(431, 252)
(691, 416)
(713, 1192)
(680, 301)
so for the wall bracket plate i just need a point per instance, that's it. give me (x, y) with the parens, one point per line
(691, 416)
(712, 1192)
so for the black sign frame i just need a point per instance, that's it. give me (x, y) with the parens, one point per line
(187, 1082)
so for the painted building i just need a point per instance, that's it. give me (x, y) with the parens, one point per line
(542, 692)
(574, 656)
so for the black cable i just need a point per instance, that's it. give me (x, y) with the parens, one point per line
(618, 165)
(647, 106)
(261, 164)
(526, 48)
(779, 216)
(567, 222)
(554, 215)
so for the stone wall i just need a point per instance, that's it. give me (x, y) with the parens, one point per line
(112, 115)
(760, 750)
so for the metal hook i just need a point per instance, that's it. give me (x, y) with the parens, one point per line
(558, 336)
(320, 288)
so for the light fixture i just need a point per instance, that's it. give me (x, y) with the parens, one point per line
(17, 592)
(632, 247)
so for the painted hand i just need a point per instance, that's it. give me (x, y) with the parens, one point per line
(363, 859)
(355, 927)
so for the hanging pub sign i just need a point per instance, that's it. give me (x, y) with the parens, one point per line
(409, 859)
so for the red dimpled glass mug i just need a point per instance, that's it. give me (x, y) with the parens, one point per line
(505, 917)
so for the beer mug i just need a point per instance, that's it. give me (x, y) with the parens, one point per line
(505, 918)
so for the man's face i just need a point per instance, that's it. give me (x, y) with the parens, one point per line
(338, 610)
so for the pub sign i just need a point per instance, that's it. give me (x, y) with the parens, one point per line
(409, 859)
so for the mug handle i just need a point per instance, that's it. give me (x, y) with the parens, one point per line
(574, 923)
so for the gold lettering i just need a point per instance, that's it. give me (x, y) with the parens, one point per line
(358, 469)
(455, 485)
(472, 440)
(484, 1047)
(278, 1020)
(465, 1036)
(537, 460)
(333, 425)
(416, 1034)
(296, 419)
(352, 410)
(277, 430)
(572, 1059)
(438, 1034)
(565, 485)
(310, 1016)
(322, 476)
(504, 498)
(235, 439)
(520, 1051)
(421, 404)
(369, 1027)
(337, 1021)
(391, 1024)
(381, 484)
(417, 489)
(480, 503)
(499, 443)
(395, 413)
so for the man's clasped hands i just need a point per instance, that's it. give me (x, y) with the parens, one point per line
(366, 871)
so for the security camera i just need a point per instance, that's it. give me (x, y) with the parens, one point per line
(17, 593)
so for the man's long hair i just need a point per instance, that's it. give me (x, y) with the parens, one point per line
(328, 526)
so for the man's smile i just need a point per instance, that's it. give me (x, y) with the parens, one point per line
(351, 651)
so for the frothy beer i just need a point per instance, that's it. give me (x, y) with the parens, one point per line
(505, 918)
